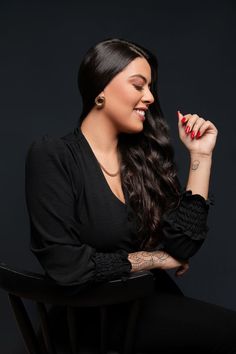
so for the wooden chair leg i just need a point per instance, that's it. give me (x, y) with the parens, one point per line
(24, 325)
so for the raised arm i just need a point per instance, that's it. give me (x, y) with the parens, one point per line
(185, 228)
(199, 137)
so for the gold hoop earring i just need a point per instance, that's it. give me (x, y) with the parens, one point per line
(100, 100)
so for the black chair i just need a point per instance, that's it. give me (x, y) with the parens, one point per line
(24, 285)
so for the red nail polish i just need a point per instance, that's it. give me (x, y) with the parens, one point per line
(187, 129)
(198, 135)
(183, 119)
(192, 135)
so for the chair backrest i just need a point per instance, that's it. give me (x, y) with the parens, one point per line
(21, 285)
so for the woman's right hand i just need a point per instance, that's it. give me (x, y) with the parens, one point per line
(144, 260)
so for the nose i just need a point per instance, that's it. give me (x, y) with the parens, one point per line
(148, 97)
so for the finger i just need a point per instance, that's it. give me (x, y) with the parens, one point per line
(196, 128)
(186, 268)
(183, 269)
(206, 125)
(190, 122)
(179, 274)
(182, 118)
(185, 118)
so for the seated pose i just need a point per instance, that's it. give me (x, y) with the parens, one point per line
(104, 200)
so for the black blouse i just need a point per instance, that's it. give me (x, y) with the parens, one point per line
(81, 232)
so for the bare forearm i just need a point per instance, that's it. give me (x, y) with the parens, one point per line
(199, 174)
(147, 260)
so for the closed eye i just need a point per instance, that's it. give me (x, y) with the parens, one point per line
(139, 88)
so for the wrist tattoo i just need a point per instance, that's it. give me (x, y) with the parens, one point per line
(161, 256)
(195, 164)
(146, 260)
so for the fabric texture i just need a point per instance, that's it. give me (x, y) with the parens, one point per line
(168, 323)
(81, 233)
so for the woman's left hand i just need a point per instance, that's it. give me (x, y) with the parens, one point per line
(189, 130)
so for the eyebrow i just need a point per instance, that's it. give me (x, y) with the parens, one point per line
(142, 77)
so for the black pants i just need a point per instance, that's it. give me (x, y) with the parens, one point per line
(169, 322)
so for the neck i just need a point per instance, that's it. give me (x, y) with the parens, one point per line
(100, 134)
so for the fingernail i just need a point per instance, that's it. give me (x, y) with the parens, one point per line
(192, 135)
(187, 129)
(183, 119)
(198, 135)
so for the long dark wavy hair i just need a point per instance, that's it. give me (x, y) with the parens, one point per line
(148, 170)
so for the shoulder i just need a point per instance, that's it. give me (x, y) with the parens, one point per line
(52, 160)
(49, 157)
(44, 153)
(46, 144)
(48, 147)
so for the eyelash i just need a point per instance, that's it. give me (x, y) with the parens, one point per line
(139, 88)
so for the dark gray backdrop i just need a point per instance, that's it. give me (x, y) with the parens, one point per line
(42, 44)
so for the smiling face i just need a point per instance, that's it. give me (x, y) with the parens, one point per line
(127, 91)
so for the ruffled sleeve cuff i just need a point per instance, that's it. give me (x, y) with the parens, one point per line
(110, 266)
(184, 228)
(191, 214)
(209, 201)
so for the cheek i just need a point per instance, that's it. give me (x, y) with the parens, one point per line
(122, 97)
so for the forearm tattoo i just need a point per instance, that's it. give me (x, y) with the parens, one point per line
(147, 260)
(195, 164)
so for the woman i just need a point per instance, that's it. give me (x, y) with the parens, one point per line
(105, 200)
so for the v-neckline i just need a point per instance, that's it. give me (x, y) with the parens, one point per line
(100, 171)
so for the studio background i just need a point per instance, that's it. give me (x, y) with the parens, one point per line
(42, 44)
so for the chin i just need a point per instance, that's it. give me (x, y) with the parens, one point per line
(139, 129)
(133, 130)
